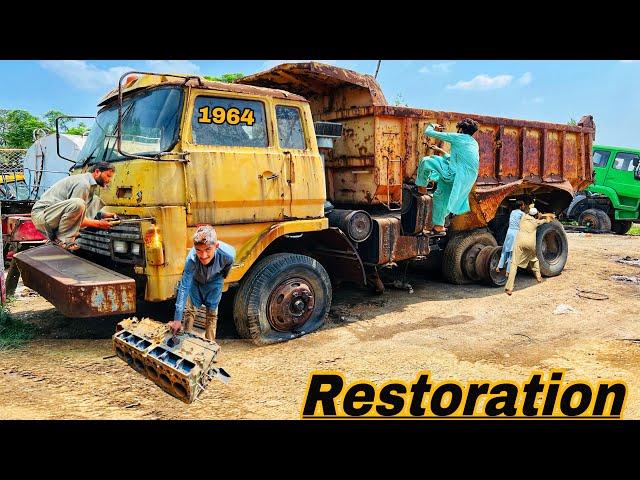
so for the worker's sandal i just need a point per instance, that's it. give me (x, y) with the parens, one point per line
(70, 246)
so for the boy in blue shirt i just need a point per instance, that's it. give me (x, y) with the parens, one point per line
(208, 264)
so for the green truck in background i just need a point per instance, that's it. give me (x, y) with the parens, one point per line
(612, 201)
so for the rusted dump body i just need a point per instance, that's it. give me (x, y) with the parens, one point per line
(382, 144)
(75, 286)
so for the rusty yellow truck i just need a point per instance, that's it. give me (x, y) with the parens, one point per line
(309, 173)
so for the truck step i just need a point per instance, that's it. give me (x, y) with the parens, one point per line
(76, 287)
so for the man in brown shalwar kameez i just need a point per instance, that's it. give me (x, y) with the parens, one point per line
(524, 248)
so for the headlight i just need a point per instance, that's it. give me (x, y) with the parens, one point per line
(119, 246)
(135, 249)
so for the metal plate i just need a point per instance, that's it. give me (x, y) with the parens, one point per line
(75, 286)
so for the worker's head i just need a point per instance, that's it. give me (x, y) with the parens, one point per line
(533, 211)
(520, 205)
(467, 126)
(205, 241)
(103, 173)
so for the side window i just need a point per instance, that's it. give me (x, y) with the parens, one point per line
(626, 161)
(600, 158)
(290, 128)
(229, 122)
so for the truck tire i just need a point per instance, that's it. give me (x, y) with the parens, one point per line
(621, 227)
(552, 248)
(283, 296)
(595, 219)
(455, 251)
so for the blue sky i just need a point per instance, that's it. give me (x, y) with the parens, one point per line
(553, 91)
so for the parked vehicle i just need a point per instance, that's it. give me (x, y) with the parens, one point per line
(612, 201)
(21, 184)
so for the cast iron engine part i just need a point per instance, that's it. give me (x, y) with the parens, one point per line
(181, 365)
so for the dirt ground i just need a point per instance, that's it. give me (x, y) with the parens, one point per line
(462, 333)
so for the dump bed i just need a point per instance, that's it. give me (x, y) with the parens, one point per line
(381, 144)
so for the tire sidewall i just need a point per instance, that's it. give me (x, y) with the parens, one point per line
(547, 269)
(264, 283)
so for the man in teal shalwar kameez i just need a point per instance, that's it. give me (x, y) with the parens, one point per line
(455, 173)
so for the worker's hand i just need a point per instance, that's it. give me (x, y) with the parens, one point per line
(108, 215)
(174, 326)
(437, 127)
(102, 225)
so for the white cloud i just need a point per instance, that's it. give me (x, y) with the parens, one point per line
(84, 75)
(437, 68)
(629, 61)
(173, 66)
(525, 79)
(483, 82)
(528, 101)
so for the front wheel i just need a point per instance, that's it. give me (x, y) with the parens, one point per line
(282, 297)
(595, 219)
(552, 248)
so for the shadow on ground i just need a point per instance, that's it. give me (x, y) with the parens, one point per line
(350, 303)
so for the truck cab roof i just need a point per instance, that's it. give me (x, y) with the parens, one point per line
(142, 81)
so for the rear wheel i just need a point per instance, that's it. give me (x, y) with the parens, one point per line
(621, 226)
(552, 248)
(458, 263)
(282, 297)
(595, 219)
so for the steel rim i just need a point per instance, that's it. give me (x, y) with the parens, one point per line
(497, 278)
(290, 305)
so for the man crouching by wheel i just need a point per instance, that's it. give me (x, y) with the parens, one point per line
(208, 264)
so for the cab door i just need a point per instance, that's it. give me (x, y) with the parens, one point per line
(305, 191)
(235, 172)
(600, 165)
(621, 177)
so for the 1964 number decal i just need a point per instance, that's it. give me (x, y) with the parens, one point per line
(220, 115)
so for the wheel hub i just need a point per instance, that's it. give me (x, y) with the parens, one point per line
(290, 305)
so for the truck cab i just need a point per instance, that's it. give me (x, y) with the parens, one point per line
(612, 201)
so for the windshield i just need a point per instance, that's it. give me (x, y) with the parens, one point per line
(149, 125)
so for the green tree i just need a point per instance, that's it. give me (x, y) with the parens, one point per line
(399, 101)
(226, 78)
(4, 124)
(572, 122)
(80, 129)
(50, 120)
(19, 127)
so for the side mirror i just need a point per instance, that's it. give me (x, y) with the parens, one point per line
(58, 136)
